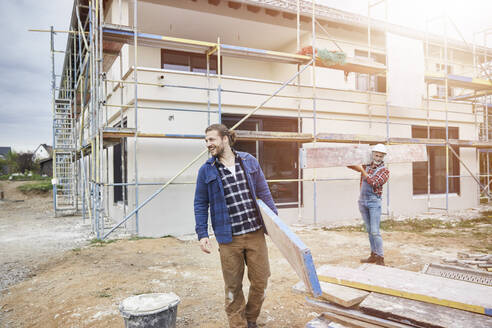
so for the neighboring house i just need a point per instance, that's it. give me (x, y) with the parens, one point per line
(3, 154)
(397, 92)
(43, 155)
(42, 152)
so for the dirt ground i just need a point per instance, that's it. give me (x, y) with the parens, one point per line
(58, 278)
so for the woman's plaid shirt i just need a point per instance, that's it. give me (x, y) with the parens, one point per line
(378, 175)
(242, 210)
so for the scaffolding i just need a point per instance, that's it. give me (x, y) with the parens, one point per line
(86, 123)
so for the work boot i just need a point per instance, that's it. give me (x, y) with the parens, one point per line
(370, 259)
(252, 324)
(379, 260)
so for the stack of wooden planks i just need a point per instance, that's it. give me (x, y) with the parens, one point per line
(399, 298)
(379, 296)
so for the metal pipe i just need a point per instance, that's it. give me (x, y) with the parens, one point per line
(219, 75)
(53, 97)
(313, 76)
(446, 89)
(135, 14)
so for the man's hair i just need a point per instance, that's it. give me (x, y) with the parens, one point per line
(223, 131)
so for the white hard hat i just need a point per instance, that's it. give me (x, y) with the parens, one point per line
(380, 148)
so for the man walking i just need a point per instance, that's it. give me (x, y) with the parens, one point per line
(372, 179)
(229, 182)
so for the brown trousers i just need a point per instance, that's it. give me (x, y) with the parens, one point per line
(249, 249)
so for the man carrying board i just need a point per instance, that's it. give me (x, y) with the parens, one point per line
(372, 179)
(229, 183)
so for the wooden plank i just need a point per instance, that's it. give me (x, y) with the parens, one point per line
(325, 306)
(323, 156)
(413, 285)
(341, 295)
(420, 313)
(351, 322)
(292, 248)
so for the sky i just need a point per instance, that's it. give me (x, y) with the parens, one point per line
(25, 59)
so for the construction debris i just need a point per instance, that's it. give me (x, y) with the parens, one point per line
(483, 261)
(403, 297)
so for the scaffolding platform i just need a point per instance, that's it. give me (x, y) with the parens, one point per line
(113, 135)
(117, 34)
(458, 81)
(471, 96)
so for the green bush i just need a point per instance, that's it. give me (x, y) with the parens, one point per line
(41, 187)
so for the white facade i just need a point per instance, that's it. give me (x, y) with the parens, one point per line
(340, 108)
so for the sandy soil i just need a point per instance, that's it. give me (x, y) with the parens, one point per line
(70, 285)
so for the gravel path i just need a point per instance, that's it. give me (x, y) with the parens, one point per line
(30, 235)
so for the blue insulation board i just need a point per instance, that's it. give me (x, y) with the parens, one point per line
(307, 258)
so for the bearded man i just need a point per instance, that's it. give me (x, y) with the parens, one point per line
(229, 183)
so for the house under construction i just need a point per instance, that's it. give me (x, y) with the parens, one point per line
(142, 79)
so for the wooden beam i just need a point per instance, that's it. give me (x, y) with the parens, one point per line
(272, 12)
(460, 295)
(318, 157)
(322, 137)
(253, 9)
(234, 4)
(420, 313)
(292, 248)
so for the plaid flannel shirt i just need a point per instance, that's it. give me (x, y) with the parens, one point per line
(376, 178)
(240, 203)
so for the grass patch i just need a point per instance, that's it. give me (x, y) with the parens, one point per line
(355, 228)
(22, 177)
(41, 187)
(139, 238)
(104, 293)
(419, 225)
(100, 243)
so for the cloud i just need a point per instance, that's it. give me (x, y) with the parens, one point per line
(25, 69)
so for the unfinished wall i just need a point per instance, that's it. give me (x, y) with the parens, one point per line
(339, 111)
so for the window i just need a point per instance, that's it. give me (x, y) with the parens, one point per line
(368, 82)
(278, 160)
(437, 162)
(120, 173)
(187, 61)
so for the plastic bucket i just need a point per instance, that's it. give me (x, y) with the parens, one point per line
(157, 310)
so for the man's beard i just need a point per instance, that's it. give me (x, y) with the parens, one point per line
(219, 151)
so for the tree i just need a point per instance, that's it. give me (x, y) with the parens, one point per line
(9, 163)
(25, 163)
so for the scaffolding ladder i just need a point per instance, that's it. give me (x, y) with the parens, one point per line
(64, 167)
